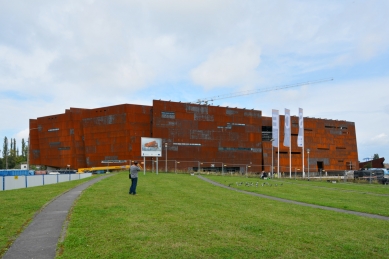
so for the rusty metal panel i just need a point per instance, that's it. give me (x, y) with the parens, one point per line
(331, 142)
(82, 137)
(206, 134)
(209, 133)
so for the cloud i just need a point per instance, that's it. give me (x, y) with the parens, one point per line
(84, 53)
(228, 67)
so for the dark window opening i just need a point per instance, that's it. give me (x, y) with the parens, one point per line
(267, 133)
(320, 166)
(285, 152)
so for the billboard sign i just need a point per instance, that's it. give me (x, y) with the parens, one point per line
(151, 147)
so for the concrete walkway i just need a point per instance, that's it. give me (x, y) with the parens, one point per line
(362, 214)
(39, 240)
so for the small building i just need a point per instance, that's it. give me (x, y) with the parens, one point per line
(374, 163)
(23, 166)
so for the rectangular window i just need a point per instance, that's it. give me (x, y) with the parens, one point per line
(236, 124)
(64, 148)
(267, 133)
(54, 129)
(186, 144)
(168, 115)
(54, 144)
(235, 149)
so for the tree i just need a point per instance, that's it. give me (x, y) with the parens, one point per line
(24, 148)
(12, 145)
(5, 151)
(368, 165)
(376, 156)
(11, 162)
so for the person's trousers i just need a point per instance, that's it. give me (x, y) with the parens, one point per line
(134, 182)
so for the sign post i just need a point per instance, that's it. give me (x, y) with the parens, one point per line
(151, 147)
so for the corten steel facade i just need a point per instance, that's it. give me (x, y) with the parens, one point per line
(197, 136)
(214, 136)
(332, 145)
(83, 138)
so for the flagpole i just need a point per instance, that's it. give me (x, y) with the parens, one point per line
(287, 138)
(290, 162)
(303, 158)
(300, 138)
(278, 158)
(276, 134)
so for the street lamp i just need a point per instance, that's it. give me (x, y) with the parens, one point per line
(166, 157)
(308, 162)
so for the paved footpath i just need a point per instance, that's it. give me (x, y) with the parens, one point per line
(362, 214)
(39, 240)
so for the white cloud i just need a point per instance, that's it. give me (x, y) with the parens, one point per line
(22, 67)
(228, 67)
(95, 53)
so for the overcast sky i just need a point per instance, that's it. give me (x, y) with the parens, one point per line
(89, 54)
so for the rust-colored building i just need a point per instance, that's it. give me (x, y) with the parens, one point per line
(374, 163)
(208, 137)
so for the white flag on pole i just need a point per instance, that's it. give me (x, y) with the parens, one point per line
(275, 126)
(300, 138)
(287, 131)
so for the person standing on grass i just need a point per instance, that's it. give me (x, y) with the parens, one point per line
(134, 169)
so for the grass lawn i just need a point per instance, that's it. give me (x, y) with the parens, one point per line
(182, 216)
(19, 206)
(369, 198)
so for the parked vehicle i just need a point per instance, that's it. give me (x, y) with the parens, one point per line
(379, 174)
